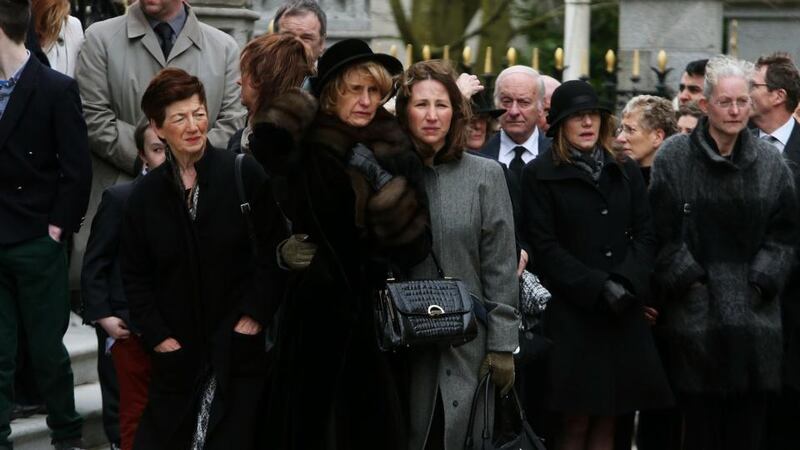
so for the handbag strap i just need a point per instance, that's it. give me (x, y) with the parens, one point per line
(482, 385)
(244, 204)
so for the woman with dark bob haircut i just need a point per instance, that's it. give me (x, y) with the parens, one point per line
(473, 240)
(586, 217)
(199, 288)
(357, 207)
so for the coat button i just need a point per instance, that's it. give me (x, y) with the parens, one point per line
(604, 212)
(609, 254)
(19, 188)
(447, 372)
(455, 403)
(30, 153)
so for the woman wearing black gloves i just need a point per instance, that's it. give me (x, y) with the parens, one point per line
(353, 191)
(587, 219)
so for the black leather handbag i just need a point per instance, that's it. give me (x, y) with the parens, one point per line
(511, 430)
(425, 312)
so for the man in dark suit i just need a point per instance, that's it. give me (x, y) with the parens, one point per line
(45, 175)
(775, 90)
(518, 90)
(105, 306)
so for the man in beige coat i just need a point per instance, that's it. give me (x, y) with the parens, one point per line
(118, 59)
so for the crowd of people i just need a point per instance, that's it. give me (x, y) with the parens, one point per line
(229, 217)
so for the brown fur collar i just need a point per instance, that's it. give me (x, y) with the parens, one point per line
(383, 136)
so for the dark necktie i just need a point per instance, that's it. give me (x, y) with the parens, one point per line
(164, 32)
(517, 163)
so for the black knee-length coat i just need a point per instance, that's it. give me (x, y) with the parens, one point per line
(582, 234)
(192, 281)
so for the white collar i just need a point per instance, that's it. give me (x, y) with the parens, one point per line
(783, 133)
(507, 144)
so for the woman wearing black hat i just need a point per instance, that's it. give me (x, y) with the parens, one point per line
(354, 195)
(482, 124)
(587, 220)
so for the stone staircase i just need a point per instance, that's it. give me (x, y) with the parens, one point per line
(32, 433)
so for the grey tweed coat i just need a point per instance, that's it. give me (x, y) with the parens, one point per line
(473, 238)
(728, 224)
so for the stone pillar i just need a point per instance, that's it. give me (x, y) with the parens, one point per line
(762, 30)
(231, 16)
(686, 29)
(577, 25)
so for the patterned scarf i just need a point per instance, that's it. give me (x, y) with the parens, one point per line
(590, 162)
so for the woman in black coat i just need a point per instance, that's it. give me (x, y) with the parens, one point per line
(198, 287)
(587, 220)
(354, 194)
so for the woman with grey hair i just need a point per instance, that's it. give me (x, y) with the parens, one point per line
(725, 213)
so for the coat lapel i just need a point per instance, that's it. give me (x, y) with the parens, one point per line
(492, 147)
(19, 98)
(139, 28)
(189, 35)
(792, 149)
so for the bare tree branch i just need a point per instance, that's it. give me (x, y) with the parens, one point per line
(402, 23)
(492, 19)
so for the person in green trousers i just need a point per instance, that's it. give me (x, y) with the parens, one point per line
(45, 176)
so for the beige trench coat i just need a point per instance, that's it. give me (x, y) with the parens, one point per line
(473, 238)
(118, 59)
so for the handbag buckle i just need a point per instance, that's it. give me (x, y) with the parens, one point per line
(435, 310)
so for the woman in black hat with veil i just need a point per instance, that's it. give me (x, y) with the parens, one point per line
(587, 220)
(356, 204)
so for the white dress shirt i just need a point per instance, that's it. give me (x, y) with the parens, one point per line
(507, 145)
(781, 135)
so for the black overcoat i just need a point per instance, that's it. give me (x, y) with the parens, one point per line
(192, 281)
(582, 234)
(332, 388)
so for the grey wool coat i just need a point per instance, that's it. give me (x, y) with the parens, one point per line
(473, 238)
(725, 225)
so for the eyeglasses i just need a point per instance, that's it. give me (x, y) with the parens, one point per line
(692, 88)
(625, 129)
(755, 85)
(726, 103)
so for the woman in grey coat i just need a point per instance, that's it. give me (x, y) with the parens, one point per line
(725, 212)
(473, 239)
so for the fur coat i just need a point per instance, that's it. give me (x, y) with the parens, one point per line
(332, 387)
(727, 232)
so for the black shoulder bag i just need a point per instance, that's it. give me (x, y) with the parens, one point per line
(422, 312)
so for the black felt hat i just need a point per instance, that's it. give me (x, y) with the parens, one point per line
(344, 54)
(571, 97)
(482, 104)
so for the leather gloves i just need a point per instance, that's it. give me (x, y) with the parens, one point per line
(616, 296)
(502, 366)
(296, 252)
(363, 160)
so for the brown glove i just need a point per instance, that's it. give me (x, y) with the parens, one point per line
(502, 366)
(296, 252)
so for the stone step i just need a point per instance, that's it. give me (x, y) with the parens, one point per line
(81, 342)
(32, 433)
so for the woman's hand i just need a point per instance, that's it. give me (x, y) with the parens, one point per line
(469, 85)
(115, 327)
(650, 315)
(501, 364)
(296, 252)
(523, 262)
(247, 325)
(168, 345)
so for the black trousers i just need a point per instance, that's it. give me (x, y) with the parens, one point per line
(109, 388)
(782, 413)
(732, 423)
